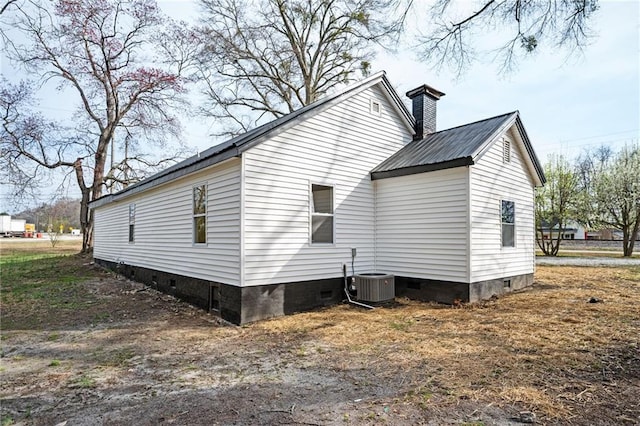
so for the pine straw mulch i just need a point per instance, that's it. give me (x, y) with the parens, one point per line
(544, 349)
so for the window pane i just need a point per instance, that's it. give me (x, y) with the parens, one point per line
(199, 200)
(131, 228)
(322, 199)
(200, 229)
(132, 213)
(508, 212)
(322, 229)
(508, 235)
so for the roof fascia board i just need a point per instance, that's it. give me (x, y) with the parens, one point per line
(398, 105)
(535, 168)
(485, 147)
(413, 170)
(530, 159)
(144, 186)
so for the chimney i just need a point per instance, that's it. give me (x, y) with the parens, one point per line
(423, 101)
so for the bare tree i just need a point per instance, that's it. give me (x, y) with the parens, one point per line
(5, 5)
(64, 210)
(611, 187)
(101, 50)
(451, 35)
(270, 57)
(556, 203)
(26, 131)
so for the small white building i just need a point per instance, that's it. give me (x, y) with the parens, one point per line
(263, 224)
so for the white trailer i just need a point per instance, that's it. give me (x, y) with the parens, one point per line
(5, 225)
(12, 227)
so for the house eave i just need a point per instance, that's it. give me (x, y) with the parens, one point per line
(144, 185)
(533, 164)
(236, 146)
(422, 168)
(533, 158)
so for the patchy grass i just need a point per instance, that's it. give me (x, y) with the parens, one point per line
(545, 349)
(17, 246)
(38, 280)
(612, 253)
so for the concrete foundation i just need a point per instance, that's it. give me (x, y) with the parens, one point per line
(241, 305)
(450, 292)
(238, 305)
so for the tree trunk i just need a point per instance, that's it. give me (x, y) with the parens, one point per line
(94, 191)
(549, 247)
(86, 219)
(87, 241)
(629, 238)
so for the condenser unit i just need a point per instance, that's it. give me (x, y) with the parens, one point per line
(375, 287)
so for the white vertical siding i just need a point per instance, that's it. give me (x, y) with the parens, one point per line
(421, 225)
(338, 146)
(493, 181)
(164, 230)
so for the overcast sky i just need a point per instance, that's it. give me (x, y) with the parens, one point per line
(566, 105)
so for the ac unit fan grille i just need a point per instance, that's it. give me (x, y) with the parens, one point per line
(375, 287)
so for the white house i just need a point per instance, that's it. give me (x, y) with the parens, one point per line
(263, 224)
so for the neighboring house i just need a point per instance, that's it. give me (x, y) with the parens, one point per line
(263, 224)
(607, 234)
(573, 231)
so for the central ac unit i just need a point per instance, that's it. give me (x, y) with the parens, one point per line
(375, 287)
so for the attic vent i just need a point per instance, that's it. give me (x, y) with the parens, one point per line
(506, 151)
(375, 107)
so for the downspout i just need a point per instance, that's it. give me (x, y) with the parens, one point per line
(469, 251)
(375, 224)
(241, 276)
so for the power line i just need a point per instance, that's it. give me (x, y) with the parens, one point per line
(565, 144)
(601, 136)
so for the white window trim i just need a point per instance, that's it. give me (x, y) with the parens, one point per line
(205, 214)
(515, 239)
(131, 236)
(311, 214)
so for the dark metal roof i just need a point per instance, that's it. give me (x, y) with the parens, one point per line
(235, 146)
(445, 149)
(455, 147)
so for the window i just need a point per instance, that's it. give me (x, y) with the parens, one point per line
(508, 213)
(375, 107)
(506, 151)
(200, 214)
(132, 221)
(321, 214)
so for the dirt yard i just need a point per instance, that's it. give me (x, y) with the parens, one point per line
(101, 350)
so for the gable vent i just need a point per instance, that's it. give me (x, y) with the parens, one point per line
(506, 151)
(375, 108)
